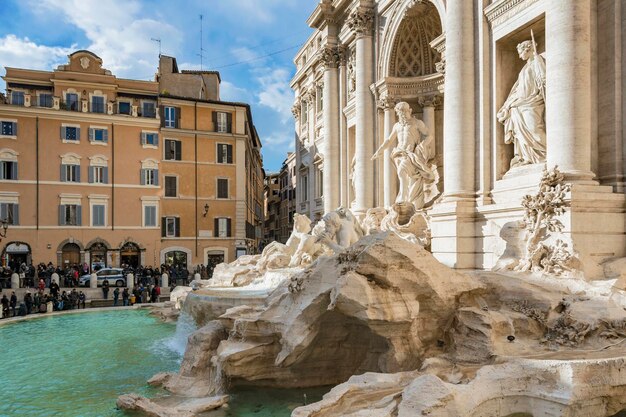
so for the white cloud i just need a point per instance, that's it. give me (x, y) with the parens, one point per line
(276, 93)
(119, 33)
(230, 92)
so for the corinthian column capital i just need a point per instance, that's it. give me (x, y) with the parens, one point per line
(386, 102)
(330, 56)
(361, 21)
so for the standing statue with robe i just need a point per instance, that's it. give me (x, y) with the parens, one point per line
(417, 176)
(523, 111)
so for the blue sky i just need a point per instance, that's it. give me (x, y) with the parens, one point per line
(39, 34)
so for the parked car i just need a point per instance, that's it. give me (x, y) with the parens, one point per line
(115, 276)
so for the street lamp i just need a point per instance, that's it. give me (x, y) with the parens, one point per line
(206, 210)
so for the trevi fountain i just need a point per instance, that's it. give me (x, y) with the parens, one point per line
(469, 259)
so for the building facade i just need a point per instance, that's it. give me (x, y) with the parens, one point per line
(271, 195)
(280, 201)
(86, 176)
(455, 63)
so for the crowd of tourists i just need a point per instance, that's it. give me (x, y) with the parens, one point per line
(41, 302)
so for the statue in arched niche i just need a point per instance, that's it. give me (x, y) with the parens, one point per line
(523, 111)
(412, 156)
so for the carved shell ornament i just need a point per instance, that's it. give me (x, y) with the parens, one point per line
(84, 62)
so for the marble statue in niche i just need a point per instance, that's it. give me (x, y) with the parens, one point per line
(523, 111)
(412, 155)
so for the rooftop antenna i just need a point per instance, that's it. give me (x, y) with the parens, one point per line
(201, 54)
(159, 41)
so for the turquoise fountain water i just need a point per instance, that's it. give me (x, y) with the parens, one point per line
(78, 364)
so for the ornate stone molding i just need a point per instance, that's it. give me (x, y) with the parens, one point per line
(330, 56)
(440, 66)
(431, 101)
(344, 54)
(386, 102)
(502, 10)
(296, 109)
(361, 21)
(415, 87)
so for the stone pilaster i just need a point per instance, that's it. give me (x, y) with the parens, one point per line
(568, 88)
(361, 22)
(330, 57)
(452, 221)
(387, 104)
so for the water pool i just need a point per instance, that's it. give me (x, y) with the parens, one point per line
(78, 364)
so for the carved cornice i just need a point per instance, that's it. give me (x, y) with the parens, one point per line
(416, 87)
(386, 102)
(502, 10)
(344, 54)
(330, 56)
(440, 66)
(361, 21)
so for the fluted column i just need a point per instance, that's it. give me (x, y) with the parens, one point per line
(459, 106)
(387, 103)
(429, 104)
(568, 88)
(361, 21)
(329, 56)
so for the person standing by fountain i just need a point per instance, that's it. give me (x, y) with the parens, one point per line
(116, 296)
(105, 289)
(125, 296)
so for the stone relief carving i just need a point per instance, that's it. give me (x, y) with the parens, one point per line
(412, 156)
(522, 114)
(402, 219)
(84, 62)
(340, 229)
(351, 69)
(296, 109)
(330, 56)
(361, 21)
(541, 220)
(386, 101)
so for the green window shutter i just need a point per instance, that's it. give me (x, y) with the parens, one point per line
(163, 226)
(14, 129)
(177, 226)
(228, 229)
(16, 214)
(63, 133)
(105, 135)
(229, 157)
(179, 151)
(79, 215)
(216, 227)
(90, 172)
(91, 134)
(229, 122)
(78, 133)
(177, 116)
(77, 172)
(62, 215)
(142, 139)
(214, 115)
(105, 175)
(14, 171)
(142, 176)
(63, 173)
(156, 177)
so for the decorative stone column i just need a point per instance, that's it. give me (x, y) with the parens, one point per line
(330, 57)
(459, 108)
(15, 281)
(93, 281)
(165, 280)
(130, 280)
(568, 88)
(429, 104)
(361, 22)
(452, 220)
(387, 103)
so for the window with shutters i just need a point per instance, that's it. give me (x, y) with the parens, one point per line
(99, 175)
(70, 133)
(9, 212)
(222, 188)
(123, 107)
(70, 215)
(17, 98)
(224, 153)
(97, 104)
(173, 150)
(222, 122)
(45, 100)
(222, 227)
(171, 227)
(98, 215)
(170, 117)
(8, 170)
(8, 128)
(150, 139)
(171, 186)
(149, 177)
(149, 215)
(148, 109)
(71, 102)
(70, 173)
(98, 135)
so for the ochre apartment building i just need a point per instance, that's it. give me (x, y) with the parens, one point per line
(86, 168)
